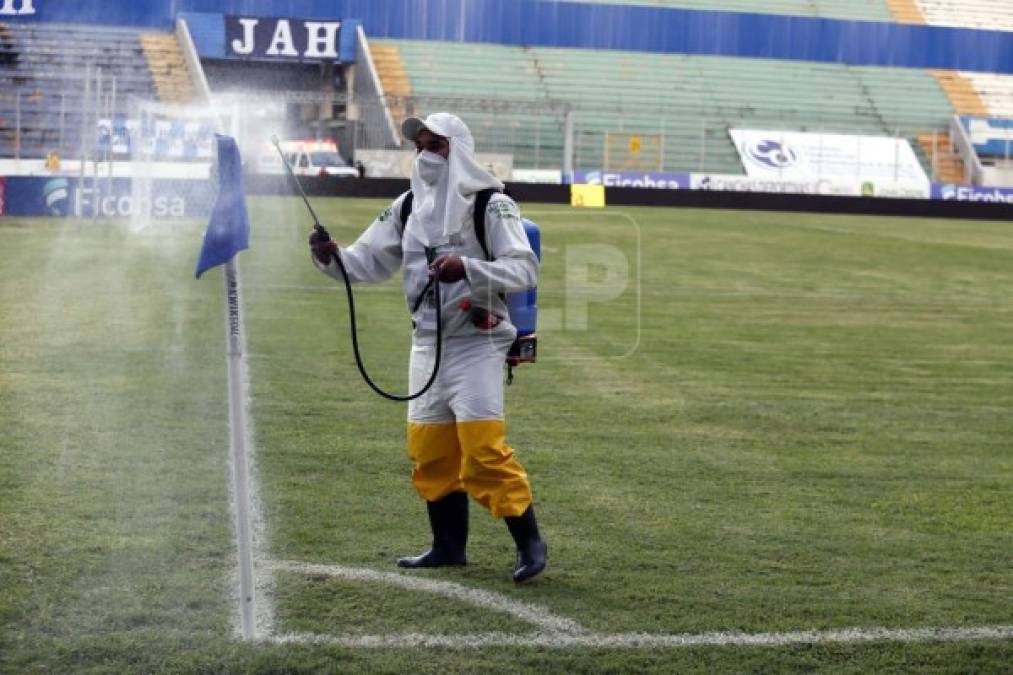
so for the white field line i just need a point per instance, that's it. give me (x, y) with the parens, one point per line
(650, 640)
(536, 615)
(554, 632)
(561, 633)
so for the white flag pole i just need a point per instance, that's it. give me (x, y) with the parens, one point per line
(240, 444)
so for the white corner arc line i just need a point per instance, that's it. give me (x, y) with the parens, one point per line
(536, 615)
(650, 640)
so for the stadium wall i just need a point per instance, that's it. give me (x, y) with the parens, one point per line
(40, 196)
(598, 26)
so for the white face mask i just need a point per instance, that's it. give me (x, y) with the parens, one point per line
(431, 166)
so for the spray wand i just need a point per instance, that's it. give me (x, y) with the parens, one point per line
(325, 237)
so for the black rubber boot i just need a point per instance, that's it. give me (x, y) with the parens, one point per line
(448, 518)
(532, 551)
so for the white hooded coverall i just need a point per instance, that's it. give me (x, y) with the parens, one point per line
(456, 430)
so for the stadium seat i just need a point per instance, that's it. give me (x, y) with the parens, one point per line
(970, 93)
(865, 10)
(982, 14)
(688, 101)
(994, 91)
(42, 74)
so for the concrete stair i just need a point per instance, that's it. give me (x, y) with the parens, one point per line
(393, 77)
(905, 11)
(168, 68)
(946, 163)
(961, 92)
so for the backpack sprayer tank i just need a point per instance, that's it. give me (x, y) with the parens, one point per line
(523, 309)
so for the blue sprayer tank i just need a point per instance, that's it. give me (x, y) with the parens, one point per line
(523, 307)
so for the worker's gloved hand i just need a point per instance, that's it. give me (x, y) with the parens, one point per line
(323, 247)
(447, 268)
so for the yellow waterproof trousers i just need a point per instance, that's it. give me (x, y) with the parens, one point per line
(456, 430)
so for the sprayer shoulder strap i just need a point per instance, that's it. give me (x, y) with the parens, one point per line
(482, 198)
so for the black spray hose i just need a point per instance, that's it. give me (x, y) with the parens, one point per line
(355, 332)
(325, 236)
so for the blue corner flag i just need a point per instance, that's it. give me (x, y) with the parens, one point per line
(228, 230)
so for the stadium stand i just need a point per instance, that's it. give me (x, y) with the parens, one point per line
(43, 73)
(994, 91)
(514, 105)
(979, 94)
(969, 93)
(864, 10)
(683, 98)
(516, 97)
(982, 14)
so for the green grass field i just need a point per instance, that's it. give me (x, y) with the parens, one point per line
(785, 422)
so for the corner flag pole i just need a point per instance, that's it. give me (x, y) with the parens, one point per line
(228, 232)
(239, 445)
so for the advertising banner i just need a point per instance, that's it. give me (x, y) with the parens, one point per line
(3, 196)
(971, 193)
(990, 135)
(639, 179)
(544, 176)
(398, 163)
(61, 196)
(738, 183)
(150, 137)
(797, 155)
(823, 186)
(273, 38)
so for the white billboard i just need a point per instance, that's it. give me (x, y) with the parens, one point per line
(796, 155)
(820, 186)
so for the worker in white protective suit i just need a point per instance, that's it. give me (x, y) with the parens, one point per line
(456, 431)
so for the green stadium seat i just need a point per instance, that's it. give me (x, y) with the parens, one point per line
(691, 101)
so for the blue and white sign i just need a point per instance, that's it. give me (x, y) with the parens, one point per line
(16, 7)
(273, 38)
(971, 193)
(772, 153)
(990, 135)
(638, 179)
(60, 196)
(795, 155)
